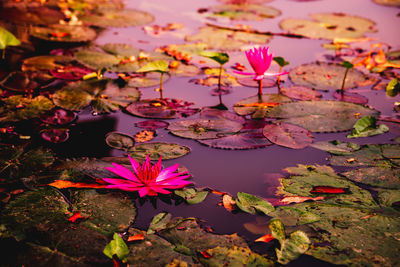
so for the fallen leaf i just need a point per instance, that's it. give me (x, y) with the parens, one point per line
(298, 199)
(228, 202)
(205, 254)
(327, 190)
(265, 238)
(144, 136)
(60, 184)
(136, 237)
(77, 216)
(271, 104)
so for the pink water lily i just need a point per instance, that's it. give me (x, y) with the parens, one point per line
(260, 61)
(147, 179)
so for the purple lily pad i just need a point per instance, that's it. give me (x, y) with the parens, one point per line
(70, 72)
(301, 93)
(351, 98)
(166, 108)
(288, 135)
(19, 81)
(152, 124)
(58, 116)
(55, 135)
(250, 82)
(247, 139)
(211, 113)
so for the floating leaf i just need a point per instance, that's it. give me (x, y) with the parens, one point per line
(117, 18)
(287, 135)
(149, 79)
(245, 139)
(58, 116)
(366, 126)
(244, 12)
(144, 136)
(393, 88)
(252, 204)
(191, 195)
(327, 76)
(157, 150)
(18, 108)
(135, 237)
(321, 116)
(388, 2)
(297, 244)
(257, 106)
(64, 33)
(281, 61)
(226, 40)
(61, 184)
(45, 62)
(117, 247)
(328, 190)
(162, 108)
(220, 58)
(375, 176)
(55, 135)
(152, 124)
(26, 82)
(95, 59)
(203, 128)
(120, 141)
(250, 82)
(76, 217)
(7, 39)
(336, 147)
(301, 93)
(329, 26)
(298, 199)
(351, 97)
(265, 238)
(159, 222)
(70, 72)
(39, 15)
(157, 66)
(277, 230)
(228, 202)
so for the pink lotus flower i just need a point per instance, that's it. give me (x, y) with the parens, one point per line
(260, 61)
(147, 179)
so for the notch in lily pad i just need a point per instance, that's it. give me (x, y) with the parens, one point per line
(393, 88)
(160, 66)
(7, 39)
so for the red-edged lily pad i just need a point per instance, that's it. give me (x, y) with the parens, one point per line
(55, 135)
(301, 93)
(351, 97)
(70, 72)
(58, 116)
(64, 33)
(19, 81)
(157, 150)
(152, 124)
(288, 135)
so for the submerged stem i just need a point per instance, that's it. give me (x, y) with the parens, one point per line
(219, 77)
(161, 82)
(260, 88)
(344, 80)
(278, 81)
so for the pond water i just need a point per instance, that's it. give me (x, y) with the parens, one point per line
(255, 171)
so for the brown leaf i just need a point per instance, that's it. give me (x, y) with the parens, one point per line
(60, 184)
(228, 202)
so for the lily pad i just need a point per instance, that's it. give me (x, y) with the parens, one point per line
(71, 73)
(18, 108)
(287, 135)
(117, 247)
(336, 147)
(366, 126)
(192, 195)
(55, 135)
(96, 59)
(321, 116)
(301, 93)
(152, 124)
(157, 150)
(329, 26)
(257, 107)
(64, 33)
(226, 40)
(395, 3)
(117, 18)
(351, 97)
(253, 204)
(120, 141)
(203, 128)
(108, 213)
(376, 176)
(45, 62)
(42, 15)
(26, 82)
(250, 82)
(7, 39)
(162, 108)
(58, 116)
(327, 76)
(148, 79)
(244, 12)
(245, 139)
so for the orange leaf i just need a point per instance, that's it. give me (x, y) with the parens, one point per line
(60, 184)
(218, 192)
(264, 238)
(59, 34)
(76, 216)
(205, 254)
(144, 136)
(228, 202)
(136, 237)
(297, 199)
(266, 105)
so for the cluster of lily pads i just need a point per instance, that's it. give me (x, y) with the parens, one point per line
(58, 211)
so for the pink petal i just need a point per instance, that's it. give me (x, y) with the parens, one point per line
(144, 191)
(135, 164)
(244, 73)
(122, 171)
(160, 190)
(120, 181)
(276, 74)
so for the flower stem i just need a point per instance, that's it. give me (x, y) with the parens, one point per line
(344, 79)
(278, 81)
(219, 77)
(161, 82)
(260, 88)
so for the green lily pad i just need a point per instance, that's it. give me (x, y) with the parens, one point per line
(120, 140)
(192, 195)
(39, 15)
(96, 59)
(7, 39)
(18, 108)
(328, 76)
(46, 62)
(108, 213)
(118, 49)
(336, 147)
(155, 66)
(226, 40)
(258, 107)
(366, 126)
(117, 247)
(220, 58)
(203, 128)
(235, 256)
(104, 95)
(388, 197)
(287, 135)
(375, 176)
(253, 204)
(157, 150)
(395, 3)
(64, 33)
(370, 155)
(329, 26)
(117, 18)
(393, 88)
(244, 12)
(26, 82)
(149, 79)
(159, 222)
(321, 116)
(184, 70)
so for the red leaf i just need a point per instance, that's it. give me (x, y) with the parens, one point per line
(60, 184)
(205, 254)
(136, 237)
(59, 34)
(327, 190)
(265, 238)
(76, 216)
